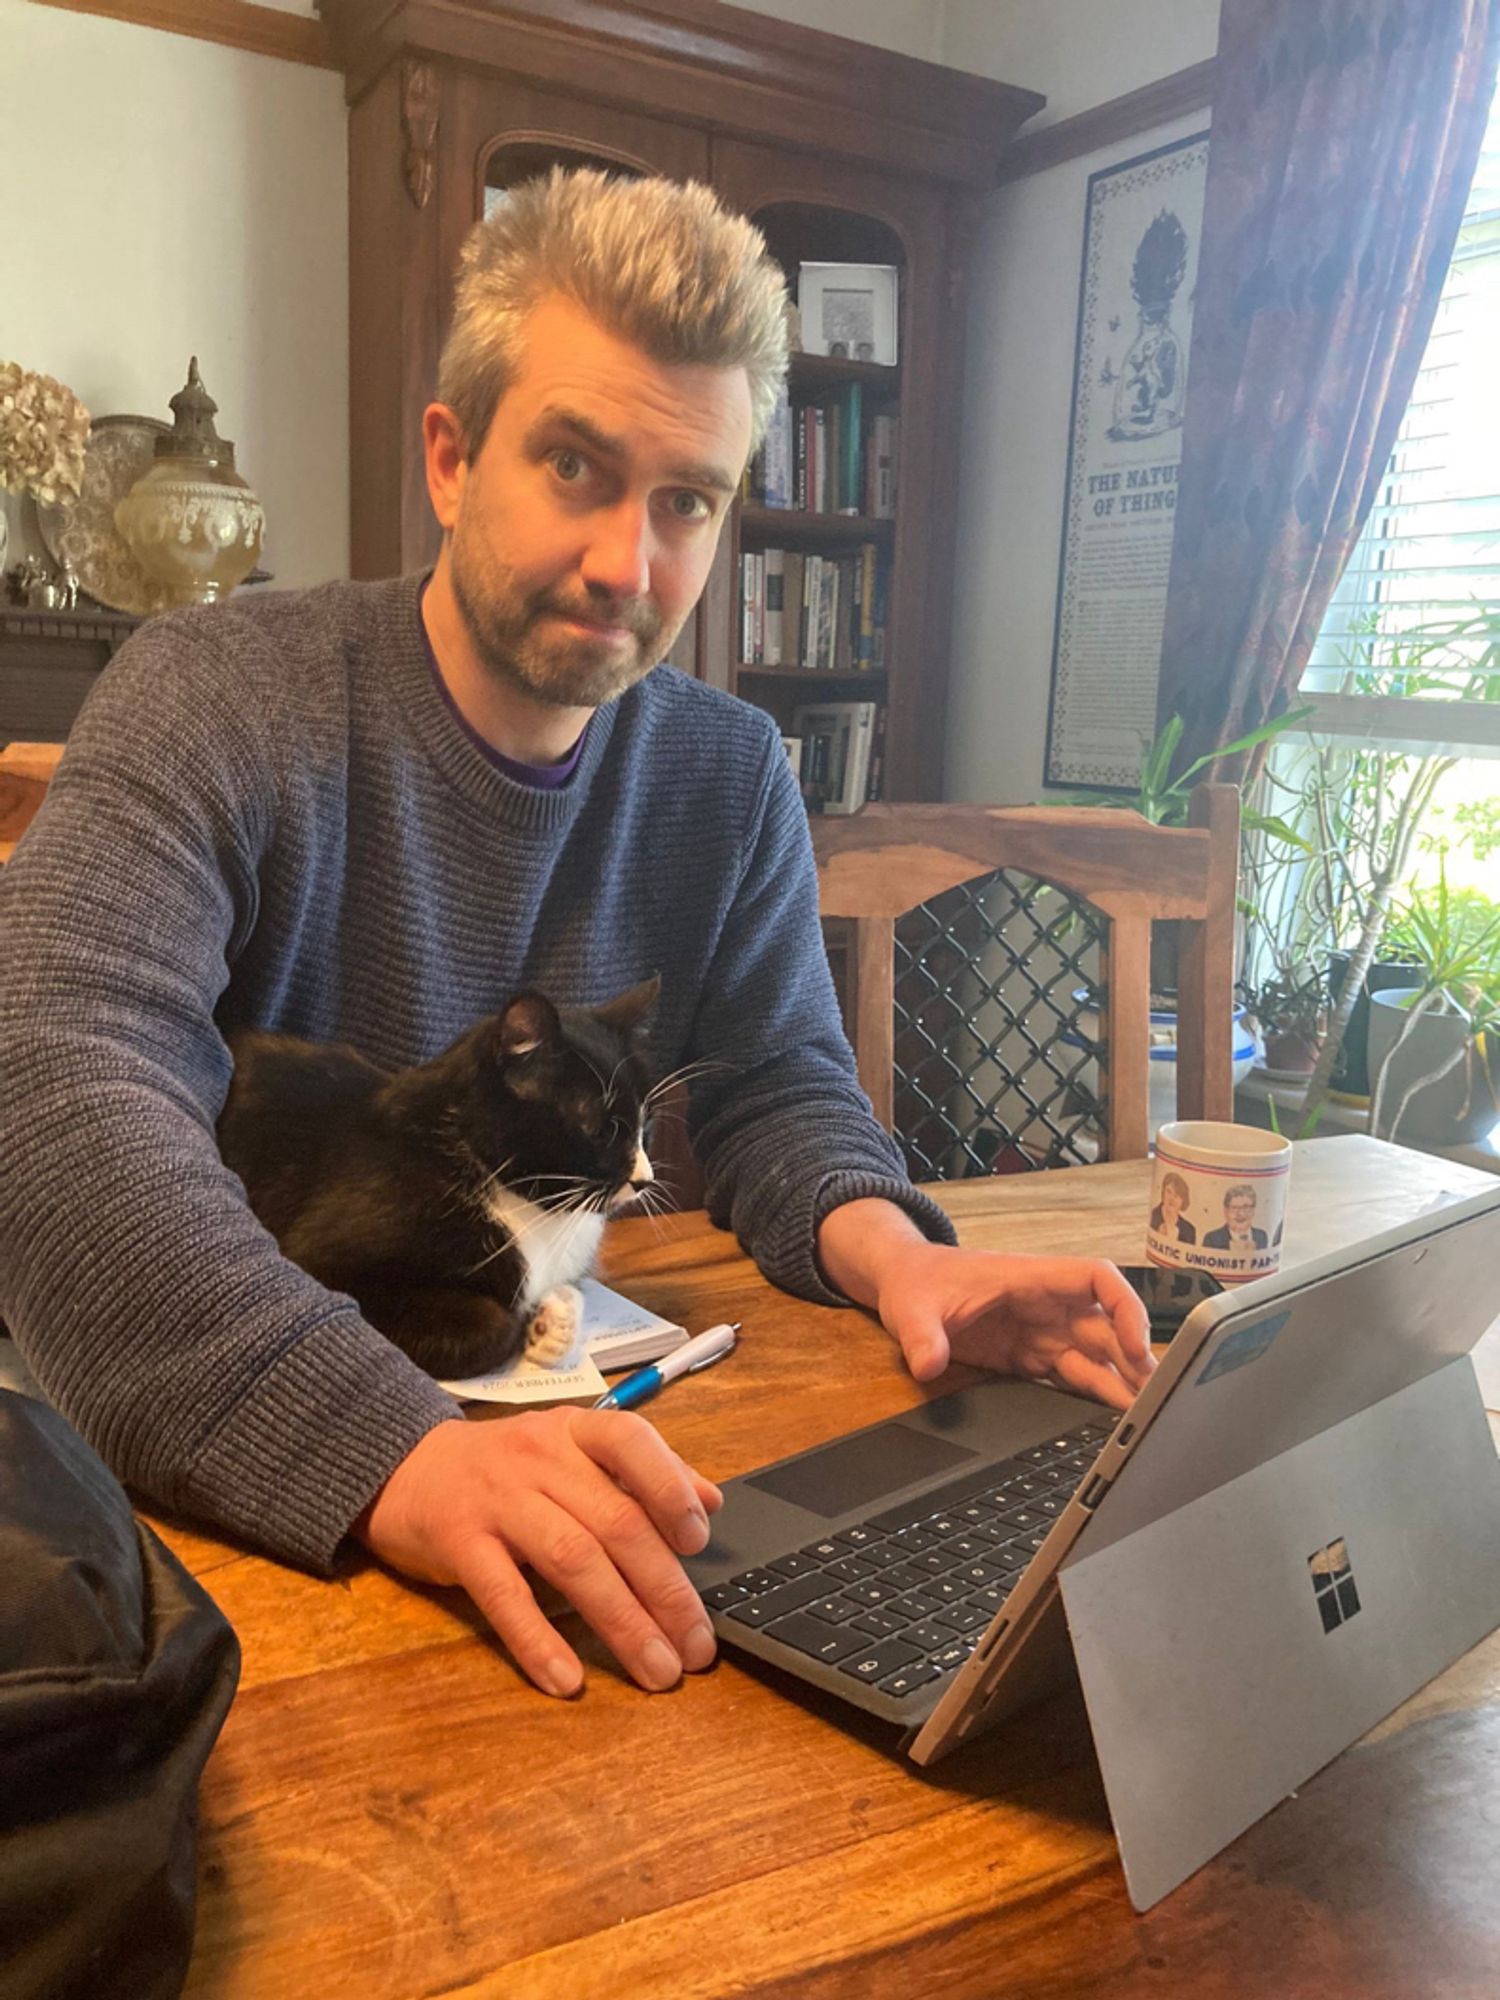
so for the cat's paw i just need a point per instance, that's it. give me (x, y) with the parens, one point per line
(554, 1324)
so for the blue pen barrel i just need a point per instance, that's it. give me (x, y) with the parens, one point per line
(635, 1389)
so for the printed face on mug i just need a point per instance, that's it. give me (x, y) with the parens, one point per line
(1218, 1200)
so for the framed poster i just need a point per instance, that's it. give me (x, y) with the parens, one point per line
(1141, 232)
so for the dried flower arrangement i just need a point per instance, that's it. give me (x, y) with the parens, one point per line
(43, 429)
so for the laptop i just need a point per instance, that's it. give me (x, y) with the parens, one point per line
(1295, 1526)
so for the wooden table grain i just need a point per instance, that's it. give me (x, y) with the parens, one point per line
(390, 1811)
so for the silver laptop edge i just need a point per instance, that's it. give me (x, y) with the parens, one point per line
(981, 1693)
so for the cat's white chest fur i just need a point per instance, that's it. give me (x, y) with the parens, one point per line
(557, 1248)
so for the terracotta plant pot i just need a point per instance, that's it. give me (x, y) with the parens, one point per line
(1292, 1051)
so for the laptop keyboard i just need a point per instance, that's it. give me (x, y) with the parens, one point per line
(902, 1599)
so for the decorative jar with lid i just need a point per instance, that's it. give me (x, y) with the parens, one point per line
(192, 521)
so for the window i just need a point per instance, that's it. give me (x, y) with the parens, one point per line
(1399, 770)
(1384, 669)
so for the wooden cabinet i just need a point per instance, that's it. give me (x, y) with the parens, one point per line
(48, 662)
(842, 153)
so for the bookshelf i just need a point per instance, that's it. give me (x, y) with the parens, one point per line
(816, 534)
(841, 152)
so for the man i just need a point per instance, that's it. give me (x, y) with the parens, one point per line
(1238, 1232)
(370, 812)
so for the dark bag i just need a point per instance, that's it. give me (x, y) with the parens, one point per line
(116, 1670)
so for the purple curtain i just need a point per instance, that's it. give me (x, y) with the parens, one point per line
(1345, 135)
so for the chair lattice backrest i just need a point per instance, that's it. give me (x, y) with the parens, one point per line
(997, 972)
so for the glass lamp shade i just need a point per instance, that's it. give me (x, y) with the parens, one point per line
(192, 523)
(194, 526)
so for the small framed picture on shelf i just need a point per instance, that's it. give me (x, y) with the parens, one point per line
(849, 310)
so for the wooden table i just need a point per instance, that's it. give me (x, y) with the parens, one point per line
(391, 1811)
(26, 770)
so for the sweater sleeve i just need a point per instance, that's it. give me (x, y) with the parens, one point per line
(155, 1311)
(778, 1118)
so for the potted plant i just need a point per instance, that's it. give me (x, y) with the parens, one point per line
(1291, 1011)
(1435, 1046)
(1163, 799)
(1365, 806)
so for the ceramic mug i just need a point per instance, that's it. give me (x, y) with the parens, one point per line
(1218, 1199)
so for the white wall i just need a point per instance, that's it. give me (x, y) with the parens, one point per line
(1078, 52)
(170, 197)
(910, 27)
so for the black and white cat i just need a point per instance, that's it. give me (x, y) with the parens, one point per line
(459, 1201)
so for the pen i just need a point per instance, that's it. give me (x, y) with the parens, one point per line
(700, 1352)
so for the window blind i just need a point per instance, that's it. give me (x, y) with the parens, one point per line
(1429, 554)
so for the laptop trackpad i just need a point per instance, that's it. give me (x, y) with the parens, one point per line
(858, 1470)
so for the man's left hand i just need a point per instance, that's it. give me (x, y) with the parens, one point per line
(1072, 1321)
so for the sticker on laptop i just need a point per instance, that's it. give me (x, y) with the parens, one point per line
(1244, 1345)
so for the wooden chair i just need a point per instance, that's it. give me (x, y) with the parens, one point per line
(25, 772)
(888, 860)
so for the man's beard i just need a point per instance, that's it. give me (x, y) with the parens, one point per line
(517, 642)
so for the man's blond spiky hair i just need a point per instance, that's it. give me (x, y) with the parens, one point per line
(658, 263)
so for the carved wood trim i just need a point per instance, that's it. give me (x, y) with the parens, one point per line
(702, 64)
(420, 93)
(1174, 96)
(237, 24)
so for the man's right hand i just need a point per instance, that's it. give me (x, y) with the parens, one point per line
(595, 1501)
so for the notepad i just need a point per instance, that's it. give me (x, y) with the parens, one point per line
(615, 1333)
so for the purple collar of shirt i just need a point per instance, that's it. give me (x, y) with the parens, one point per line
(540, 777)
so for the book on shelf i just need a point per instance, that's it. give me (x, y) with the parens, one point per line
(864, 648)
(875, 783)
(773, 643)
(880, 468)
(851, 456)
(776, 457)
(827, 455)
(828, 609)
(793, 747)
(837, 737)
(823, 613)
(794, 609)
(879, 655)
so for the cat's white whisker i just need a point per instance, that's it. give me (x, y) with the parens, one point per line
(604, 1088)
(689, 1073)
(561, 1199)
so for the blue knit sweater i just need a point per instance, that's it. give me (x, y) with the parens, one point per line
(267, 814)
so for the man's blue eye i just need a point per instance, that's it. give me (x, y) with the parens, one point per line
(568, 465)
(689, 506)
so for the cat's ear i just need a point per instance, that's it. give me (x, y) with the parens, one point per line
(529, 1021)
(628, 1010)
